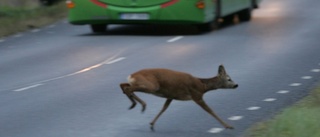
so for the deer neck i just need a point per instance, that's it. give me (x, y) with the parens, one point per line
(210, 83)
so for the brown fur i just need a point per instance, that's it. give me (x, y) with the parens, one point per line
(176, 85)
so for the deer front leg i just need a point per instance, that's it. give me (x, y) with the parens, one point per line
(207, 108)
(165, 106)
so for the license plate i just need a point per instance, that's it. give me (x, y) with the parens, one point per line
(134, 16)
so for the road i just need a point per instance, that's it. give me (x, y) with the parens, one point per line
(63, 81)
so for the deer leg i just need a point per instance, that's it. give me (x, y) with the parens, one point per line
(207, 108)
(124, 87)
(165, 106)
(140, 101)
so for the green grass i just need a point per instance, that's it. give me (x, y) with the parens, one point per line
(14, 19)
(300, 120)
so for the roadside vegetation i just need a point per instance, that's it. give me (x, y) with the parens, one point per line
(21, 15)
(299, 120)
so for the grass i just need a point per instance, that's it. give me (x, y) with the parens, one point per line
(300, 120)
(17, 17)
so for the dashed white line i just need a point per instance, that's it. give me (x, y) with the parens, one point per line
(18, 35)
(35, 30)
(306, 77)
(315, 70)
(295, 84)
(215, 130)
(283, 91)
(175, 39)
(51, 26)
(253, 108)
(234, 118)
(2, 40)
(28, 87)
(269, 99)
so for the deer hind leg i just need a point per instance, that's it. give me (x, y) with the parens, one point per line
(201, 103)
(130, 89)
(165, 106)
(124, 87)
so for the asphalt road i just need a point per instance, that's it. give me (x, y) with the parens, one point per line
(63, 81)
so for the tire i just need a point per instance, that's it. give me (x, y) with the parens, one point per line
(98, 28)
(46, 2)
(244, 15)
(214, 24)
(228, 19)
(255, 4)
(207, 27)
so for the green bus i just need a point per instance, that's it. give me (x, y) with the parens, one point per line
(204, 14)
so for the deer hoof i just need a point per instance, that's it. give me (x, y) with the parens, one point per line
(151, 127)
(143, 108)
(132, 106)
(229, 127)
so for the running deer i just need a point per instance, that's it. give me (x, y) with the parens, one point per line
(175, 85)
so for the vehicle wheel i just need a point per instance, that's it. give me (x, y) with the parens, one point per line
(228, 19)
(46, 2)
(244, 15)
(98, 28)
(206, 27)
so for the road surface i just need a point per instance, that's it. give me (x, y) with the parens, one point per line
(63, 81)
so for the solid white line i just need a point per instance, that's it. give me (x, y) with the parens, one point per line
(235, 118)
(175, 39)
(115, 60)
(215, 130)
(253, 108)
(29, 87)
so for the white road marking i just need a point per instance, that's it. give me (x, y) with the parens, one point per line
(2, 40)
(295, 84)
(253, 108)
(18, 35)
(283, 91)
(86, 69)
(108, 61)
(51, 26)
(306, 77)
(28, 87)
(175, 39)
(315, 70)
(269, 99)
(235, 118)
(215, 130)
(35, 30)
(115, 60)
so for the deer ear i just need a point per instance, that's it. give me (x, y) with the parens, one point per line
(222, 71)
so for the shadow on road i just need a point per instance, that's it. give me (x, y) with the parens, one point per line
(155, 30)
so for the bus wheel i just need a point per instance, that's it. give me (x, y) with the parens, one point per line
(244, 15)
(206, 27)
(228, 19)
(98, 28)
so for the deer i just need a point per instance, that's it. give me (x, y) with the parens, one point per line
(175, 85)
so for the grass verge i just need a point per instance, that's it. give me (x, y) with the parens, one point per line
(18, 19)
(300, 120)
